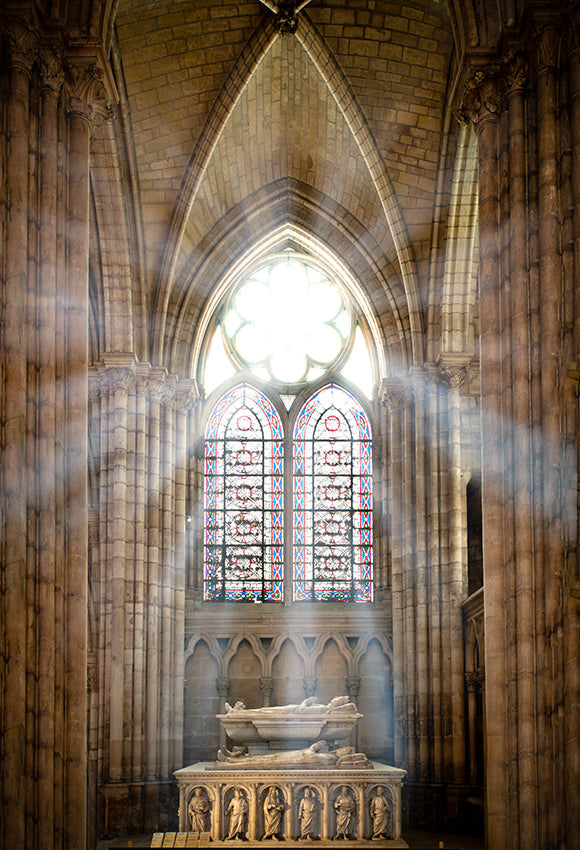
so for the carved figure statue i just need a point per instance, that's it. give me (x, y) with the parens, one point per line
(380, 815)
(308, 814)
(345, 808)
(273, 809)
(317, 755)
(198, 810)
(238, 812)
(308, 706)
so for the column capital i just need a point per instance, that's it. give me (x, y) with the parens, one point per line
(353, 686)
(482, 99)
(84, 90)
(454, 369)
(157, 378)
(51, 61)
(394, 393)
(516, 72)
(266, 685)
(473, 681)
(115, 371)
(310, 684)
(23, 42)
(186, 394)
(223, 685)
(548, 39)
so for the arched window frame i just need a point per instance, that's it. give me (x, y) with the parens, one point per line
(211, 319)
(332, 520)
(288, 418)
(243, 498)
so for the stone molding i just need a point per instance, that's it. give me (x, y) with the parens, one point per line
(122, 371)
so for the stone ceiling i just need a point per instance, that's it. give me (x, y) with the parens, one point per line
(350, 108)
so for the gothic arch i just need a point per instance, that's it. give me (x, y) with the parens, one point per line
(210, 642)
(266, 222)
(234, 645)
(340, 641)
(459, 286)
(340, 89)
(297, 642)
(243, 69)
(383, 640)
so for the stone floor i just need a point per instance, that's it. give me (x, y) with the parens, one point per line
(416, 840)
(419, 840)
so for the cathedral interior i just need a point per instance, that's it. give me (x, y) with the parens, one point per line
(289, 366)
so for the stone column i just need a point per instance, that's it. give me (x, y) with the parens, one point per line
(392, 399)
(419, 387)
(361, 813)
(483, 99)
(153, 579)
(15, 341)
(456, 581)
(185, 399)
(266, 684)
(223, 686)
(326, 828)
(291, 830)
(140, 607)
(551, 455)
(253, 813)
(435, 530)
(310, 685)
(82, 85)
(521, 396)
(472, 684)
(51, 77)
(118, 380)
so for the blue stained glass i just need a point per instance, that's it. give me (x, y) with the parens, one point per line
(332, 498)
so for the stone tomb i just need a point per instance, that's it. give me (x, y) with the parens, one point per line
(261, 792)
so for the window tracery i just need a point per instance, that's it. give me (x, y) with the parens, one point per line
(288, 323)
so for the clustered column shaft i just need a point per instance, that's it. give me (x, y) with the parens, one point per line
(141, 573)
(44, 326)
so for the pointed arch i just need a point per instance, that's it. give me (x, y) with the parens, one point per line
(210, 642)
(338, 85)
(248, 61)
(243, 499)
(297, 642)
(332, 499)
(273, 219)
(383, 640)
(234, 645)
(339, 640)
(460, 269)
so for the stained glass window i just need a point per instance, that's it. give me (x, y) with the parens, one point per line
(243, 526)
(332, 494)
(288, 321)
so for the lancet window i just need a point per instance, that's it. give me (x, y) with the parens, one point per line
(243, 524)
